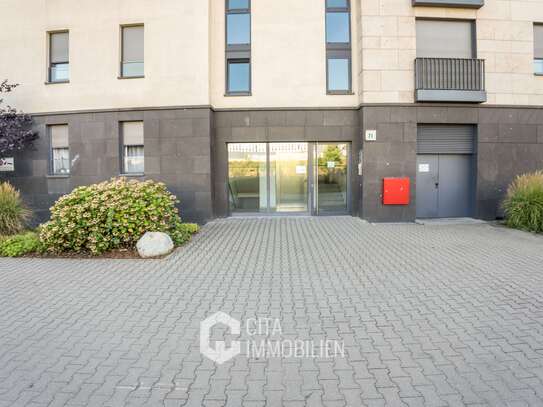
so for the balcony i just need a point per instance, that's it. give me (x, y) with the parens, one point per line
(450, 3)
(450, 80)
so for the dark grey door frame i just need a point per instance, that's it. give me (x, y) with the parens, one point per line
(453, 192)
(315, 168)
(427, 189)
(312, 182)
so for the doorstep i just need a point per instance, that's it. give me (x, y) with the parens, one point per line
(450, 221)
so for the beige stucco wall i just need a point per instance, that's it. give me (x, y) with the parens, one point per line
(288, 53)
(176, 53)
(185, 60)
(504, 40)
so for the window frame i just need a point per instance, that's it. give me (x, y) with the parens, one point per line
(538, 73)
(121, 51)
(339, 50)
(237, 61)
(50, 35)
(339, 54)
(51, 165)
(237, 53)
(537, 59)
(122, 148)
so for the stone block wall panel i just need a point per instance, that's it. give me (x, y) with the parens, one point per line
(177, 151)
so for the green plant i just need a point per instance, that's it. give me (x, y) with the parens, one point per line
(192, 228)
(523, 203)
(13, 213)
(182, 232)
(110, 215)
(19, 245)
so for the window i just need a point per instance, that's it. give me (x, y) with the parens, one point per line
(238, 47)
(132, 65)
(133, 147)
(338, 47)
(238, 29)
(445, 39)
(59, 57)
(60, 151)
(238, 75)
(538, 49)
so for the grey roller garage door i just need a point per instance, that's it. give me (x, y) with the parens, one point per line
(445, 173)
(435, 139)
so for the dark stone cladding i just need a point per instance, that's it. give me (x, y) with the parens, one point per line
(282, 126)
(509, 142)
(177, 152)
(186, 149)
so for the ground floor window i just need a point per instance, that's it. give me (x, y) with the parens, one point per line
(294, 177)
(133, 159)
(133, 148)
(60, 150)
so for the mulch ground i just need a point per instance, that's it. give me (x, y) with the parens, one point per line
(114, 254)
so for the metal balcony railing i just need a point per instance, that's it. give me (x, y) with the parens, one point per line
(450, 80)
(450, 3)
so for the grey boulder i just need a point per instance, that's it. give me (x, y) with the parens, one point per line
(154, 244)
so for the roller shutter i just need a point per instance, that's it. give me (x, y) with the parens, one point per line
(446, 139)
(538, 41)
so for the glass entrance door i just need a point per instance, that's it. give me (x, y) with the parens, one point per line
(288, 178)
(247, 177)
(331, 168)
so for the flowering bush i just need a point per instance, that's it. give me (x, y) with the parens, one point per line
(111, 215)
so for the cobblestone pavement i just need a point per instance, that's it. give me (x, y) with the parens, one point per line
(427, 315)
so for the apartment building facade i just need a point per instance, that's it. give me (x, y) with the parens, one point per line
(384, 109)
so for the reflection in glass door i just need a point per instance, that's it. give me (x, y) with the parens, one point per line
(288, 177)
(247, 177)
(331, 164)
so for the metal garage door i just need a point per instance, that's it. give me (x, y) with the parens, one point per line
(445, 175)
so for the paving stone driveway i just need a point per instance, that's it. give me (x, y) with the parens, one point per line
(428, 315)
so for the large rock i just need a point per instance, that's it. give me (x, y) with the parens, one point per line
(154, 244)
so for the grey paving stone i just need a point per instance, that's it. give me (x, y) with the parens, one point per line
(434, 315)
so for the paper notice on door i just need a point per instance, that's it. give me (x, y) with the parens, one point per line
(331, 164)
(424, 167)
(6, 164)
(300, 169)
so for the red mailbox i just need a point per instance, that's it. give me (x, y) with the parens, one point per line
(396, 191)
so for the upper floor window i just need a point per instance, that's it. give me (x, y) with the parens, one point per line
(238, 47)
(60, 150)
(338, 47)
(445, 39)
(238, 23)
(59, 57)
(132, 51)
(538, 48)
(132, 148)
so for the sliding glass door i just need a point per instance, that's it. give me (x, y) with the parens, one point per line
(288, 178)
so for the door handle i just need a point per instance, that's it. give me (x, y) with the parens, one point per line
(437, 185)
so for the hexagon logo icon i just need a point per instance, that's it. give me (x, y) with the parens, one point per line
(220, 353)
